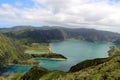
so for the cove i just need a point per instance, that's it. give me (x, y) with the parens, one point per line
(75, 50)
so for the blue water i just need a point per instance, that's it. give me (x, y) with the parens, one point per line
(75, 50)
(9, 70)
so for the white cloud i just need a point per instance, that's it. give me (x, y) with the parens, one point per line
(18, 4)
(98, 14)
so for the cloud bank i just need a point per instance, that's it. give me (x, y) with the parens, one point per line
(97, 14)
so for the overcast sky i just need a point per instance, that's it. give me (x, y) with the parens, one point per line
(97, 14)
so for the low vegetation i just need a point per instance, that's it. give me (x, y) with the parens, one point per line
(49, 55)
(42, 50)
(35, 73)
(88, 63)
(39, 73)
(39, 47)
(52, 74)
(114, 51)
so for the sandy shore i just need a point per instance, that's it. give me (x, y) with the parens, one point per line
(59, 59)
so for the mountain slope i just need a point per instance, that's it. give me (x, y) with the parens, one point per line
(91, 34)
(47, 34)
(37, 36)
(10, 52)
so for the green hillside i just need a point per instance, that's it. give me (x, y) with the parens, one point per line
(88, 63)
(40, 73)
(106, 71)
(35, 73)
(10, 52)
(114, 51)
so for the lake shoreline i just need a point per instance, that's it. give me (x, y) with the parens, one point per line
(75, 51)
(57, 59)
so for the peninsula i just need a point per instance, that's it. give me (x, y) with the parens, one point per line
(44, 51)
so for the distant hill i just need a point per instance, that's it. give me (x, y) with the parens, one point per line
(48, 34)
(117, 42)
(91, 34)
(16, 28)
(37, 36)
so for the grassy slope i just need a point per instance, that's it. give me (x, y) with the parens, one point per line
(39, 73)
(10, 52)
(52, 74)
(114, 51)
(88, 63)
(35, 73)
(107, 71)
(39, 47)
(42, 47)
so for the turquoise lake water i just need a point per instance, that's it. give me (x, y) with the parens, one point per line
(75, 50)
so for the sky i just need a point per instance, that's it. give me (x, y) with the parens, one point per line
(97, 14)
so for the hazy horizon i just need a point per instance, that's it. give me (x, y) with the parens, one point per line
(95, 14)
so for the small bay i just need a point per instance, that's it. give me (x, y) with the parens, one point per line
(76, 51)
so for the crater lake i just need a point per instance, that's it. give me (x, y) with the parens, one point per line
(75, 50)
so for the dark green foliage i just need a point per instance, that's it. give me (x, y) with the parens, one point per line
(50, 55)
(36, 36)
(88, 63)
(39, 73)
(92, 34)
(28, 35)
(35, 73)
